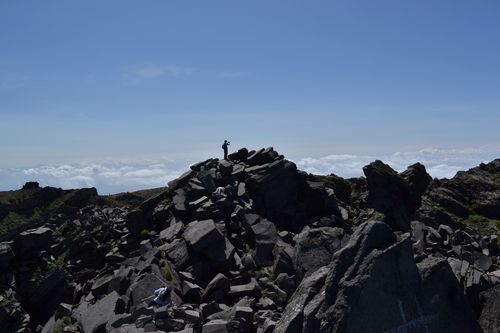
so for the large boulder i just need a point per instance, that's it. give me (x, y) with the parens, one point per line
(201, 234)
(314, 248)
(490, 316)
(142, 289)
(373, 285)
(33, 240)
(94, 317)
(389, 194)
(6, 255)
(265, 235)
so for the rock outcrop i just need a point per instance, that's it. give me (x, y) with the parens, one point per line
(251, 244)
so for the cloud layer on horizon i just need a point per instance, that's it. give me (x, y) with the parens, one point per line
(440, 163)
(120, 176)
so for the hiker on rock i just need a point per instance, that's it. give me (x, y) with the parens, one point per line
(224, 147)
(163, 296)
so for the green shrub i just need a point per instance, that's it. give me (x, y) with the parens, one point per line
(144, 233)
(167, 273)
(67, 320)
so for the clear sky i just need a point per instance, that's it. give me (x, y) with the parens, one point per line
(163, 83)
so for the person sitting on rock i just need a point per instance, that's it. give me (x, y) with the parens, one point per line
(163, 296)
(229, 190)
(224, 147)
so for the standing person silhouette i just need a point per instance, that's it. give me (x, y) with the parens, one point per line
(224, 147)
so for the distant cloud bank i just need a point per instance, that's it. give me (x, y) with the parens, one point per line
(440, 163)
(120, 176)
(108, 177)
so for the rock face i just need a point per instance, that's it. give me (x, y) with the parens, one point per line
(376, 268)
(251, 244)
(390, 194)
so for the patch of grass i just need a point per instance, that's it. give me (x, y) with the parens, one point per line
(269, 273)
(167, 273)
(7, 301)
(340, 186)
(132, 199)
(66, 230)
(484, 226)
(67, 320)
(144, 234)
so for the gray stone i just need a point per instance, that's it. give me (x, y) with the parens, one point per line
(193, 317)
(482, 261)
(33, 240)
(121, 280)
(169, 324)
(250, 289)
(490, 315)
(314, 248)
(266, 235)
(100, 287)
(178, 253)
(93, 317)
(6, 255)
(181, 181)
(171, 232)
(216, 288)
(215, 326)
(191, 292)
(118, 320)
(201, 234)
(377, 268)
(142, 290)
(221, 253)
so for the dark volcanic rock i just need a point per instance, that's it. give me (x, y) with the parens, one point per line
(201, 234)
(389, 194)
(94, 317)
(33, 240)
(490, 316)
(376, 268)
(265, 235)
(314, 248)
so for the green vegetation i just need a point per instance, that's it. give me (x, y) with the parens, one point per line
(144, 234)
(57, 264)
(340, 186)
(67, 320)
(132, 199)
(167, 273)
(268, 272)
(66, 230)
(7, 300)
(483, 225)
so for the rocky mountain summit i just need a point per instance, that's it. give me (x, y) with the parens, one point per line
(251, 244)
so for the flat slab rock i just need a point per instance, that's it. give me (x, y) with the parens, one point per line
(94, 317)
(201, 234)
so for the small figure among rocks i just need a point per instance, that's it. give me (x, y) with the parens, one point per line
(224, 147)
(162, 297)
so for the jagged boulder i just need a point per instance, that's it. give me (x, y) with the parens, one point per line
(377, 268)
(94, 317)
(201, 234)
(490, 315)
(389, 194)
(33, 240)
(314, 248)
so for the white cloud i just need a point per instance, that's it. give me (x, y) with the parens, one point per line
(108, 177)
(156, 71)
(440, 163)
(115, 176)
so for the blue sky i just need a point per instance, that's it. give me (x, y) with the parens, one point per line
(141, 83)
